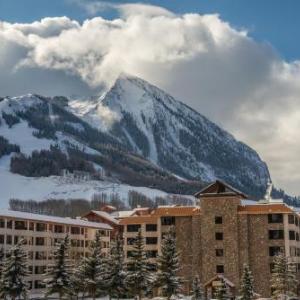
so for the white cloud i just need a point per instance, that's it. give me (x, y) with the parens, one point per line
(202, 60)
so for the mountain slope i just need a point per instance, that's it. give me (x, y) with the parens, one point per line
(39, 138)
(173, 136)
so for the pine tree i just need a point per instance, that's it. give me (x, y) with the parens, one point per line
(222, 291)
(78, 279)
(95, 268)
(60, 273)
(283, 280)
(247, 289)
(117, 273)
(197, 289)
(2, 256)
(138, 275)
(14, 271)
(168, 266)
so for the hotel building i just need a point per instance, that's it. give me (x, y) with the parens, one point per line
(41, 234)
(219, 235)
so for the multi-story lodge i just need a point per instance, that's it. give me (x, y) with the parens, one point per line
(221, 234)
(41, 234)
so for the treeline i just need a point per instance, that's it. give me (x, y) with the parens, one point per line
(7, 148)
(10, 119)
(65, 207)
(78, 207)
(48, 162)
(281, 194)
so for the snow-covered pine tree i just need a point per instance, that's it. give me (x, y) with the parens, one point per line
(116, 275)
(14, 271)
(197, 289)
(168, 266)
(95, 268)
(247, 289)
(138, 278)
(78, 278)
(2, 256)
(283, 279)
(59, 281)
(221, 292)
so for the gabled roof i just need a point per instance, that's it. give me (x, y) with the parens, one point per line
(104, 215)
(219, 188)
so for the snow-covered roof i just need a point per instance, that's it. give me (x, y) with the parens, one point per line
(122, 213)
(105, 215)
(52, 219)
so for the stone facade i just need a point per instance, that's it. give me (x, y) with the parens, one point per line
(224, 232)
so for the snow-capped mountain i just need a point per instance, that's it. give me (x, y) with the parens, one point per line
(135, 132)
(173, 136)
(39, 138)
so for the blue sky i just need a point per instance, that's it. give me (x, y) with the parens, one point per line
(276, 22)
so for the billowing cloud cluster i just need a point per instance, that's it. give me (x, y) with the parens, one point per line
(200, 59)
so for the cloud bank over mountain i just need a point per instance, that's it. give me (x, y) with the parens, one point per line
(219, 70)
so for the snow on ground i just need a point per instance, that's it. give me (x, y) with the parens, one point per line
(56, 187)
(22, 135)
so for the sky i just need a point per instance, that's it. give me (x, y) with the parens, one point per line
(236, 62)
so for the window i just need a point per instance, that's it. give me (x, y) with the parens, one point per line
(9, 224)
(39, 255)
(218, 220)
(75, 230)
(292, 235)
(1, 239)
(2, 223)
(130, 241)
(58, 229)
(20, 225)
(40, 241)
(219, 252)
(151, 240)
(274, 250)
(41, 227)
(133, 227)
(129, 253)
(40, 270)
(297, 236)
(8, 240)
(151, 254)
(219, 236)
(296, 221)
(16, 239)
(291, 219)
(151, 227)
(276, 234)
(167, 220)
(220, 269)
(275, 218)
(31, 226)
(104, 233)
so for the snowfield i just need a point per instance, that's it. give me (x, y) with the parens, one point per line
(56, 187)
